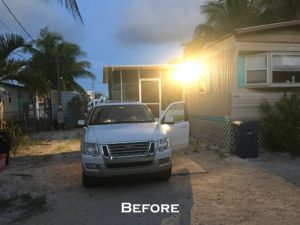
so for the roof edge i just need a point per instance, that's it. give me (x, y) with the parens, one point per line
(267, 27)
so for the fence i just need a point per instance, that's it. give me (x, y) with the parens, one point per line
(217, 134)
(29, 120)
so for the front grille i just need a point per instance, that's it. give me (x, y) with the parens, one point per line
(128, 165)
(105, 151)
(129, 149)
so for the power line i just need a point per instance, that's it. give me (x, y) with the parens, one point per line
(4, 25)
(16, 19)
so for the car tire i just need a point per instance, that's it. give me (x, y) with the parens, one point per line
(165, 175)
(87, 181)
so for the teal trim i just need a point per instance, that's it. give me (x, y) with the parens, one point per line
(225, 119)
(241, 71)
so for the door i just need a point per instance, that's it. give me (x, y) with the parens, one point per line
(174, 122)
(150, 95)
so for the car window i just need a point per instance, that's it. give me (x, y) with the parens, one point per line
(176, 112)
(121, 114)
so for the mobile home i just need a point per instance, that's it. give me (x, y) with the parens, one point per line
(242, 69)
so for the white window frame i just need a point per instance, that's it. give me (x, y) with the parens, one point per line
(159, 91)
(271, 70)
(256, 69)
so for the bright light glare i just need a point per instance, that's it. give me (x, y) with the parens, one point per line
(165, 127)
(189, 71)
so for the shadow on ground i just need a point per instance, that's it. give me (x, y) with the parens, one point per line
(54, 183)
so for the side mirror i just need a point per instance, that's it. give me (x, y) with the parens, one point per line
(168, 120)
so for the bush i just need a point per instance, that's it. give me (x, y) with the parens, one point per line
(16, 134)
(281, 123)
(77, 107)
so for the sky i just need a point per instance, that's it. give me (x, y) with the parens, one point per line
(115, 32)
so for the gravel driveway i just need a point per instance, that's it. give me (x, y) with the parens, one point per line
(42, 185)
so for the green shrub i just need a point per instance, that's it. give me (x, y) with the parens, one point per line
(281, 123)
(76, 106)
(16, 133)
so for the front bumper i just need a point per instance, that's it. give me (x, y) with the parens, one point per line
(103, 167)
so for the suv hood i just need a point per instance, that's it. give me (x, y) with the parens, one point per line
(116, 133)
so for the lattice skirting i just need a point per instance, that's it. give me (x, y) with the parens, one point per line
(216, 133)
(261, 146)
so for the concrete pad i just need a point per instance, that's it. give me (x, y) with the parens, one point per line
(183, 165)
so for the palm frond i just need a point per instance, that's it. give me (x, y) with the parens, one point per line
(78, 87)
(9, 43)
(72, 6)
(10, 68)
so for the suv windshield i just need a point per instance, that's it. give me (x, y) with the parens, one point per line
(121, 114)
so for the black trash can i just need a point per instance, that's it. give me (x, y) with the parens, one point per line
(5, 144)
(246, 138)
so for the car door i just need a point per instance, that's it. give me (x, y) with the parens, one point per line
(174, 122)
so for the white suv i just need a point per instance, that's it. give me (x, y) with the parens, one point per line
(124, 139)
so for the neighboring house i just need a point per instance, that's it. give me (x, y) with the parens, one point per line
(15, 100)
(95, 94)
(242, 69)
(66, 96)
(151, 84)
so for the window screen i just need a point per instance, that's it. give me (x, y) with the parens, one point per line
(286, 68)
(130, 85)
(116, 86)
(256, 69)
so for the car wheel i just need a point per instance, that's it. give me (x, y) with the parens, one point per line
(165, 175)
(87, 181)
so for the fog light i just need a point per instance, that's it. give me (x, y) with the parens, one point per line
(92, 166)
(164, 160)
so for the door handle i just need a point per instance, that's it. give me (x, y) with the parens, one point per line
(184, 126)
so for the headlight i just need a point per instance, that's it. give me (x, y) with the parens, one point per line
(163, 144)
(91, 149)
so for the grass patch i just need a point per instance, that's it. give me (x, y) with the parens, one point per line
(73, 141)
(67, 144)
(61, 147)
(28, 141)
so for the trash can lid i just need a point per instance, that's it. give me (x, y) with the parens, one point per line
(237, 123)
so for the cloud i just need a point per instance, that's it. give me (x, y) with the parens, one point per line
(36, 14)
(158, 21)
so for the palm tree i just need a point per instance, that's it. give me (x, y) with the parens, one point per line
(278, 10)
(54, 60)
(70, 67)
(227, 15)
(10, 66)
(223, 17)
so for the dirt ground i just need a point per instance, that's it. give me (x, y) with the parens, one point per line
(42, 185)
